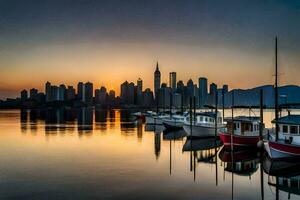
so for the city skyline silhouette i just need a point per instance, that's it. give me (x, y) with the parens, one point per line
(109, 42)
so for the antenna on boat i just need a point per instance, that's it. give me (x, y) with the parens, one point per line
(276, 91)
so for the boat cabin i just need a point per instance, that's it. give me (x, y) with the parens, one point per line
(243, 125)
(289, 128)
(206, 118)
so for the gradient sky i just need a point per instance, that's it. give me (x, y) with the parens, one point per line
(108, 42)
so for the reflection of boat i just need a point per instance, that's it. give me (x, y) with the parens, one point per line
(242, 163)
(155, 128)
(174, 122)
(284, 175)
(174, 134)
(283, 168)
(245, 132)
(203, 125)
(205, 149)
(201, 144)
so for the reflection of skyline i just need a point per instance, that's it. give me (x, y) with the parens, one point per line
(84, 119)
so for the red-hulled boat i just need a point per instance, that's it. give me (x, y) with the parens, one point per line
(245, 132)
(287, 144)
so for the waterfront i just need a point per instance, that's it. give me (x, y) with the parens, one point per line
(88, 154)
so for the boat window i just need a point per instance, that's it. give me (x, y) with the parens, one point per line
(285, 129)
(294, 129)
(201, 119)
(238, 125)
(234, 126)
(206, 119)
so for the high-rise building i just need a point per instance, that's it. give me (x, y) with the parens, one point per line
(127, 93)
(202, 91)
(48, 91)
(54, 93)
(156, 79)
(88, 87)
(100, 96)
(225, 89)
(164, 96)
(139, 92)
(33, 93)
(172, 81)
(148, 99)
(62, 92)
(213, 89)
(70, 93)
(131, 93)
(80, 91)
(24, 95)
(139, 85)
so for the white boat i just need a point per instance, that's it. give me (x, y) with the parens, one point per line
(154, 118)
(204, 125)
(288, 143)
(174, 121)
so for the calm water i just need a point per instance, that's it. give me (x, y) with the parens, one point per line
(101, 154)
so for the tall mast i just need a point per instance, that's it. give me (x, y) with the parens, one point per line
(276, 91)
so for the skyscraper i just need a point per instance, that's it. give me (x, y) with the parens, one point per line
(213, 89)
(202, 91)
(62, 92)
(88, 92)
(70, 93)
(172, 81)
(156, 80)
(139, 95)
(48, 91)
(24, 95)
(80, 91)
(225, 89)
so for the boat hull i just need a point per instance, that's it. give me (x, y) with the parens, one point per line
(277, 150)
(238, 141)
(199, 131)
(172, 124)
(153, 120)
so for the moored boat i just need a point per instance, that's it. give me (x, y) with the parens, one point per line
(284, 143)
(174, 121)
(287, 145)
(245, 132)
(204, 124)
(152, 118)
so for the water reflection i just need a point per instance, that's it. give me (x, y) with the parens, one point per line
(284, 176)
(128, 156)
(242, 162)
(85, 120)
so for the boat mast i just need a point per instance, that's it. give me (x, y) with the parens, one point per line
(276, 91)
(261, 114)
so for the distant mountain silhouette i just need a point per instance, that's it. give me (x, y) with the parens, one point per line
(250, 97)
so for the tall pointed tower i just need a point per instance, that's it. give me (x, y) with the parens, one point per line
(156, 80)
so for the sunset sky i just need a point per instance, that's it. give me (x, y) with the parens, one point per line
(108, 42)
